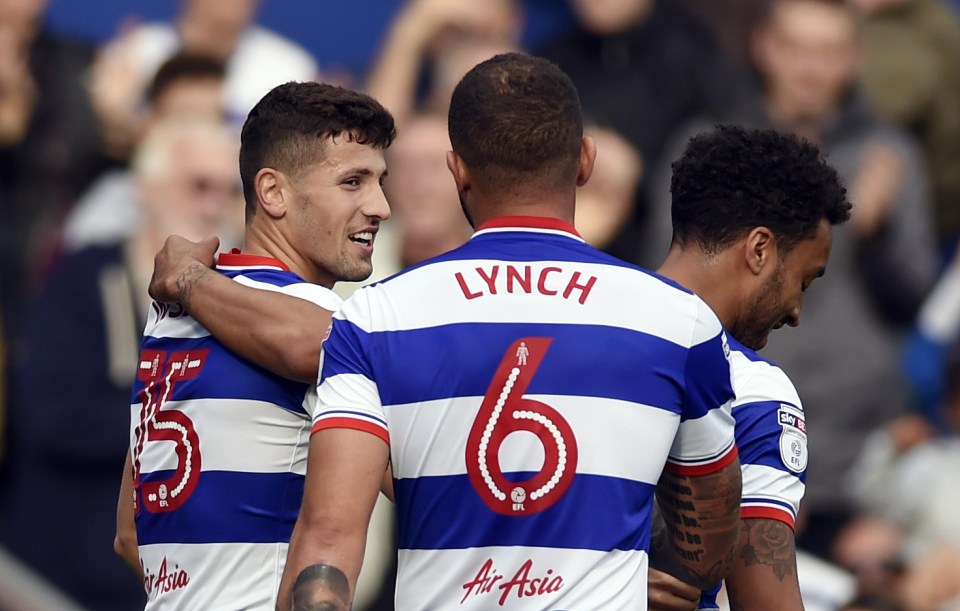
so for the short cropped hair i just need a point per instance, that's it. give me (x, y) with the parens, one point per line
(731, 180)
(516, 121)
(288, 127)
(183, 67)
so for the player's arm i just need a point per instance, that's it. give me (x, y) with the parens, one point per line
(667, 593)
(344, 472)
(664, 591)
(276, 331)
(702, 519)
(764, 575)
(125, 542)
(772, 437)
(699, 490)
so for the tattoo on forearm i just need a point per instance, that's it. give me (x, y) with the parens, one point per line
(188, 280)
(699, 516)
(770, 543)
(662, 555)
(321, 587)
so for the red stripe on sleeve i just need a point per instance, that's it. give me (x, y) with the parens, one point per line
(767, 513)
(352, 423)
(704, 469)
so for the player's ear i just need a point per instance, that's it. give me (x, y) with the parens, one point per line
(461, 174)
(273, 191)
(588, 155)
(760, 250)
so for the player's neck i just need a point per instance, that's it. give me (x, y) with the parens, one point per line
(557, 206)
(707, 276)
(265, 240)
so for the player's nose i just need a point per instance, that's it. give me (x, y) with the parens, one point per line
(793, 318)
(377, 206)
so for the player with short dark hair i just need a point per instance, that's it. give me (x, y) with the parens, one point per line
(526, 389)
(731, 180)
(294, 126)
(218, 443)
(753, 212)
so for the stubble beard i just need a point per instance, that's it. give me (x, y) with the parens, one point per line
(763, 314)
(353, 270)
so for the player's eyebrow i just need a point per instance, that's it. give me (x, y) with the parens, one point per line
(362, 171)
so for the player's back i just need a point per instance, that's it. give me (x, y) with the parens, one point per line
(219, 452)
(531, 388)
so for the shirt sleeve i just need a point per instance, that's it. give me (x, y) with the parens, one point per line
(347, 394)
(705, 439)
(771, 435)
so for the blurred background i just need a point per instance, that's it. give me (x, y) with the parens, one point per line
(119, 123)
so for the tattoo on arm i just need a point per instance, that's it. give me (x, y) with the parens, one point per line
(699, 515)
(662, 555)
(769, 543)
(321, 587)
(188, 280)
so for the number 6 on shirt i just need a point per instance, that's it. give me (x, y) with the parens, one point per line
(505, 410)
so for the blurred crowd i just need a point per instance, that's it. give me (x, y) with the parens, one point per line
(105, 150)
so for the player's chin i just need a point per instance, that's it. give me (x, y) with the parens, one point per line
(357, 272)
(755, 342)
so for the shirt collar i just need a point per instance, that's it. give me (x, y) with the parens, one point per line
(235, 259)
(534, 224)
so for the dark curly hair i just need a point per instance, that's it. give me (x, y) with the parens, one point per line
(515, 120)
(287, 129)
(733, 179)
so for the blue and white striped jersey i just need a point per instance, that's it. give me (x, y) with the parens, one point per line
(532, 389)
(219, 451)
(771, 435)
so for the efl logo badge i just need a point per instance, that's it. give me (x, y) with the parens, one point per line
(793, 438)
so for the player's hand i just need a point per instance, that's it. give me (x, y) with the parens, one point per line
(667, 593)
(174, 265)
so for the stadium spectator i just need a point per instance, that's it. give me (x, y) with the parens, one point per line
(605, 203)
(184, 87)
(730, 22)
(427, 214)
(905, 474)
(50, 151)
(643, 68)
(69, 408)
(912, 78)
(256, 60)
(431, 44)
(927, 351)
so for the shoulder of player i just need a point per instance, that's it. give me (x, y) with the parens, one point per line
(757, 380)
(288, 283)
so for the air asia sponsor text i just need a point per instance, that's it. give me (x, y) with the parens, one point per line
(525, 582)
